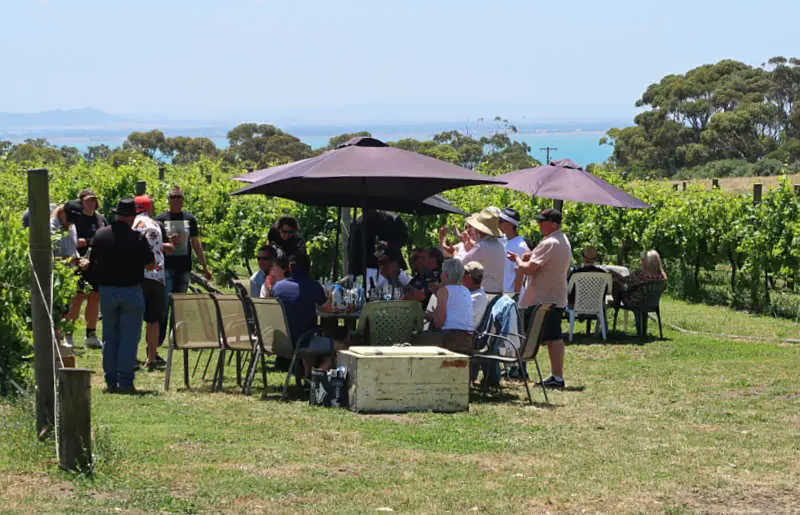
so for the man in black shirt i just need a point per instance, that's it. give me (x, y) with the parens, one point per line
(380, 227)
(117, 261)
(184, 235)
(87, 222)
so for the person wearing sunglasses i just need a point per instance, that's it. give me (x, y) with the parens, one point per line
(285, 237)
(266, 258)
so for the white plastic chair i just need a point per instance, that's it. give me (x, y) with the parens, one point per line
(590, 294)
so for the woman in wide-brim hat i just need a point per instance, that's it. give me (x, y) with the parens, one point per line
(486, 248)
(486, 222)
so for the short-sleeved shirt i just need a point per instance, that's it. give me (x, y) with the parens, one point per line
(64, 239)
(185, 226)
(293, 246)
(119, 255)
(257, 281)
(518, 246)
(548, 285)
(423, 281)
(491, 253)
(87, 225)
(155, 235)
(300, 297)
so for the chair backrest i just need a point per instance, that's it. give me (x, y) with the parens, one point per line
(271, 325)
(590, 291)
(242, 288)
(651, 295)
(535, 325)
(233, 322)
(195, 321)
(390, 322)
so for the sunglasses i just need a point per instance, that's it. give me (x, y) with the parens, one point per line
(265, 258)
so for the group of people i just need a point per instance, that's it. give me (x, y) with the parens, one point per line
(126, 271)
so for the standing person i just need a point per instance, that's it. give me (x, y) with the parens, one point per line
(64, 238)
(154, 277)
(380, 227)
(285, 236)
(119, 256)
(184, 235)
(509, 224)
(87, 222)
(485, 248)
(266, 257)
(547, 267)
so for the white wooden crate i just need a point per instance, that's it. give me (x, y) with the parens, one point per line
(400, 379)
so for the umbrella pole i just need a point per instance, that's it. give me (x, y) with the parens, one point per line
(336, 246)
(364, 234)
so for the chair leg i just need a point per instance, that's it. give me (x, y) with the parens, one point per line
(616, 312)
(197, 363)
(251, 372)
(205, 370)
(238, 368)
(216, 382)
(660, 331)
(169, 367)
(541, 380)
(601, 321)
(571, 324)
(186, 368)
(264, 373)
(645, 318)
(290, 372)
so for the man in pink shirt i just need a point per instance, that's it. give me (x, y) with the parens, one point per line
(546, 269)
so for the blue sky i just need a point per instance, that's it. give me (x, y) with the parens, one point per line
(350, 61)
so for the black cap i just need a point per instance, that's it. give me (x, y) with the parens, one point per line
(510, 215)
(125, 207)
(549, 215)
(73, 210)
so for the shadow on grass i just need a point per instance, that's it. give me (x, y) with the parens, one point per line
(615, 338)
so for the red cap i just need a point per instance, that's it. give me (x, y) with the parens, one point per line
(143, 203)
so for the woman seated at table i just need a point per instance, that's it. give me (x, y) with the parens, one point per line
(451, 319)
(285, 237)
(626, 290)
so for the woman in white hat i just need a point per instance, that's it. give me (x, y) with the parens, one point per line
(485, 248)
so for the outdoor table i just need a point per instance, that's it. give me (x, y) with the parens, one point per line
(337, 324)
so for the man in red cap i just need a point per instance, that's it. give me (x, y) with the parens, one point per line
(154, 277)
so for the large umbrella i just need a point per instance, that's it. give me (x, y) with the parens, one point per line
(363, 172)
(565, 180)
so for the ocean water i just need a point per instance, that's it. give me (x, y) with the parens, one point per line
(580, 146)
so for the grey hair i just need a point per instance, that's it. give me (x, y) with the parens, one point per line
(454, 270)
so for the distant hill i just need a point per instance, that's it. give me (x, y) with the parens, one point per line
(59, 118)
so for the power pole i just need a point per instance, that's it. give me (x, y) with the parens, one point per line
(547, 150)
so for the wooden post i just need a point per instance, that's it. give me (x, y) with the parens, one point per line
(162, 170)
(141, 187)
(757, 189)
(42, 261)
(675, 187)
(797, 189)
(74, 419)
(715, 184)
(347, 219)
(684, 186)
(558, 204)
(209, 177)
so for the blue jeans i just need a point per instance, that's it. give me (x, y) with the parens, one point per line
(123, 313)
(175, 282)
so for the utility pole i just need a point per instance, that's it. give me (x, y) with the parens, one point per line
(42, 264)
(547, 149)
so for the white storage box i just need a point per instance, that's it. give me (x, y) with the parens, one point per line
(400, 379)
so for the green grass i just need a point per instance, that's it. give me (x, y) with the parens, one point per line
(687, 424)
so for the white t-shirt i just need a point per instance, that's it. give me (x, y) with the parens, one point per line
(479, 303)
(518, 246)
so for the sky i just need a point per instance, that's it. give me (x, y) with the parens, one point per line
(349, 61)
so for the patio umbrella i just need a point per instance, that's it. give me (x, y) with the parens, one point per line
(565, 180)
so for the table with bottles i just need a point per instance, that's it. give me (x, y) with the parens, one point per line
(339, 315)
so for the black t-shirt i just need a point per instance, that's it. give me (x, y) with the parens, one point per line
(185, 226)
(119, 255)
(87, 226)
(286, 248)
(381, 226)
(422, 281)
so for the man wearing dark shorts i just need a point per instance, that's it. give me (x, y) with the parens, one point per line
(546, 268)
(154, 277)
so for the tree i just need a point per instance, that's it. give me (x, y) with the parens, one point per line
(184, 150)
(343, 138)
(262, 145)
(97, 152)
(151, 143)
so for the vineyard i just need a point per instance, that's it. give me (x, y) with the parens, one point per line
(718, 247)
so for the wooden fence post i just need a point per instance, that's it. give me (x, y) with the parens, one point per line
(141, 187)
(162, 169)
(797, 189)
(675, 187)
(558, 204)
(74, 419)
(684, 186)
(715, 184)
(757, 189)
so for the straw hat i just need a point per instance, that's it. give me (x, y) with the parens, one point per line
(589, 253)
(486, 222)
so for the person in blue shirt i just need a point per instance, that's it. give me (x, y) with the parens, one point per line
(266, 257)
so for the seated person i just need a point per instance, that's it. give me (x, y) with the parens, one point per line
(428, 266)
(285, 237)
(300, 296)
(266, 256)
(451, 319)
(473, 276)
(626, 291)
(589, 256)
(391, 279)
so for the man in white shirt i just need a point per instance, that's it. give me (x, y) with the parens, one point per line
(485, 247)
(473, 276)
(509, 224)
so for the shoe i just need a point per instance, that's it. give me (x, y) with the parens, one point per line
(157, 364)
(128, 390)
(93, 342)
(69, 341)
(552, 382)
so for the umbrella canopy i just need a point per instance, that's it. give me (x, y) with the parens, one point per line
(565, 180)
(363, 170)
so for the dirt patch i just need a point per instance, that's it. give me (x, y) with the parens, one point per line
(400, 418)
(18, 490)
(762, 499)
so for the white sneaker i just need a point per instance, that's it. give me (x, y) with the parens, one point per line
(93, 342)
(68, 341)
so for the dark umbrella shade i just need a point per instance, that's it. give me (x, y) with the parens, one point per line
(363, 170)
(565, 180)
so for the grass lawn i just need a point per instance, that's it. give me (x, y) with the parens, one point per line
(690, 423)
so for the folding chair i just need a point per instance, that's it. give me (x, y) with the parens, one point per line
(590, 296)
(195, 326)
(389, 322)
(528, 352)
(268, 331)
(234, 334)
